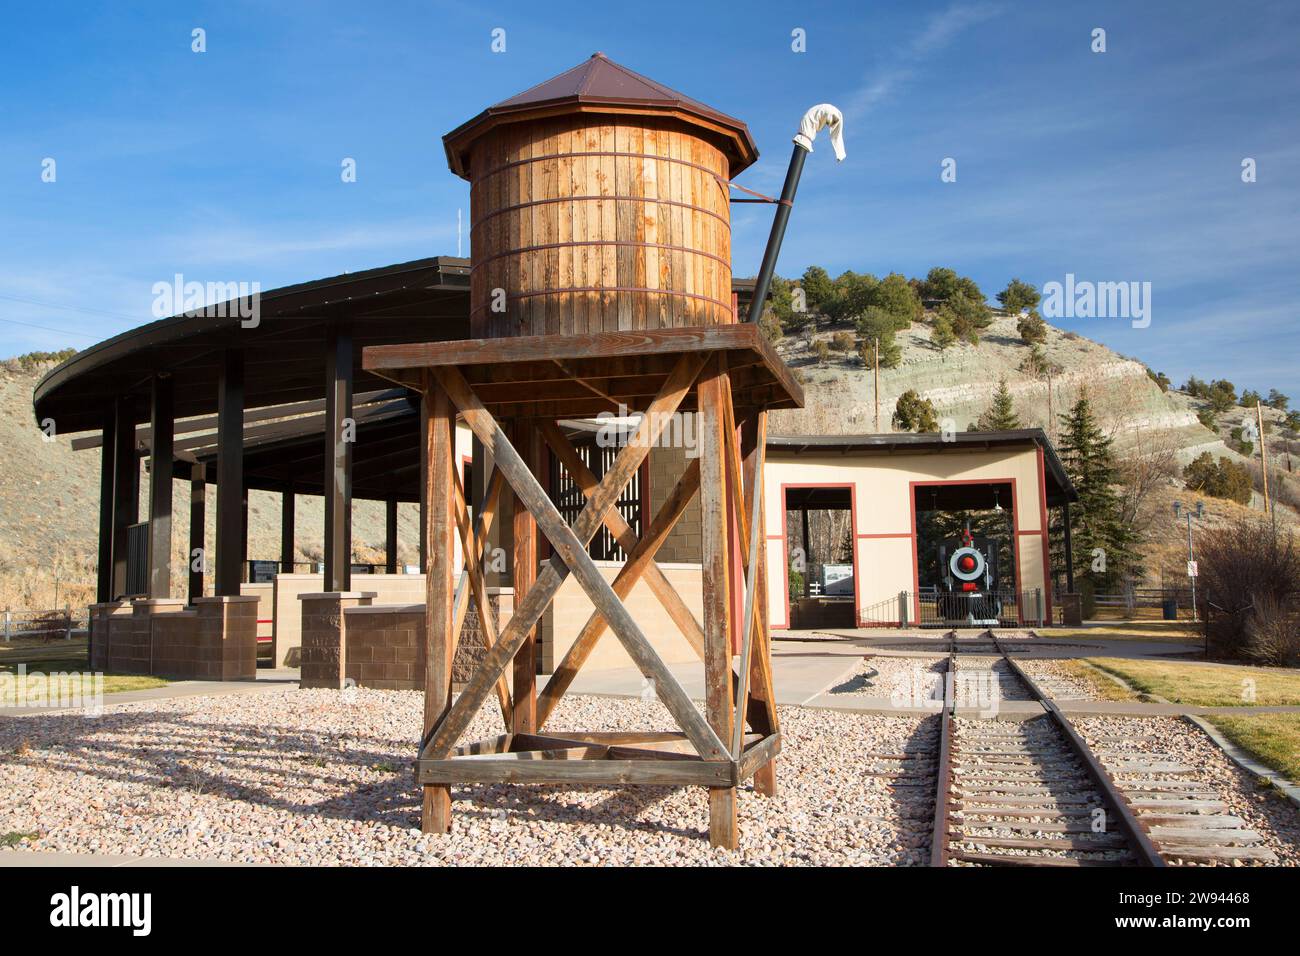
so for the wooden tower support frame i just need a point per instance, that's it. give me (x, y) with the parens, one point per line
(731, 377)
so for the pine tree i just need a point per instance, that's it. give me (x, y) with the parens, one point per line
(1102, 543)
(941, 333)
(1001, 415)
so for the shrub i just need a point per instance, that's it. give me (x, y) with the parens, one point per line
(1206, 417)
(1219, 479)
(1273, 633)
(822, 351)
(1249, 578)
(842, 342)
(913, 413)
(1032, 328)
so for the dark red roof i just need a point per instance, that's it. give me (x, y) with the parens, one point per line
(596, 82)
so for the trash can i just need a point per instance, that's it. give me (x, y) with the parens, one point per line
(1171, 609)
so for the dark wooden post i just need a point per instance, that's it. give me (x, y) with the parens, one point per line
(104, 583)
(424, 498)
(162, 428)
(245, 573)
(440, 452)
(527, 441)
(230, 474)
(198, 514)
(715, 532)
(287, 503)
(1069, 550)
(126, 489)
(338, 459)
(390, 535)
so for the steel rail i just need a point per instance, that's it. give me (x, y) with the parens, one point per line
(943, 787)
(1133, 831)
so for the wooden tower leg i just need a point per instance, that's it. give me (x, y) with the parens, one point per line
(763, 710)
(527, 442)
(716, 536)
(440, 450)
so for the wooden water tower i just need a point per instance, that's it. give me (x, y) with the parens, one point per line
(601, 282)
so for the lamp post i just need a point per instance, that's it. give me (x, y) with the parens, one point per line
(1191, 553)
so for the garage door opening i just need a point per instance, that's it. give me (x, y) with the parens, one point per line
(821, 572)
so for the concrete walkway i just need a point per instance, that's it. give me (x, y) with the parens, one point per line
(267, 680)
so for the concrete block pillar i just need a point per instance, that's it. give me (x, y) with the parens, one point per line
(324, 636)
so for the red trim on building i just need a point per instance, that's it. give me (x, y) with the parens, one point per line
(1015, 525)
(785, 546)
(1047, 543)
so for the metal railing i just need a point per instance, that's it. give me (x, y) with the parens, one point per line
(1008, 608)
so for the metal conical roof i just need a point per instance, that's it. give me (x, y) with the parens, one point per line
(600, 85)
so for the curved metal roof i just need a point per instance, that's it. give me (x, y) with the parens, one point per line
(422, 300)
(601, 85)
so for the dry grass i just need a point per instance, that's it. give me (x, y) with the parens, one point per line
(1272, 738)
(1101, 685)
(1162, 631)
(1207, 685)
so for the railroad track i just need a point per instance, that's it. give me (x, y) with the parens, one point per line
(1025, 793)
(1034, 793)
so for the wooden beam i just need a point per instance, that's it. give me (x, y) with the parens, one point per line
(715, 532)
(662, 588)
(524, 573)
(197, 560)
(639, 561)
(570, 552)
(337, 487)
(288, 502)
(519, 768)
(161, 462)
(474, 582)
(230, 474)
(440, 439)
(104, 577)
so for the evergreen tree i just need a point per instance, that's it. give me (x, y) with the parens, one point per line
(1032, 328)
(912, 413)
(1096, 522)
(1001, 415)
(1018, 296)
(818, 288)
(941, 334)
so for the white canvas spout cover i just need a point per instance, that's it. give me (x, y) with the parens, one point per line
(823, 114)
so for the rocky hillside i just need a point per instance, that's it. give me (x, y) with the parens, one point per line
(49, 494)
(49, 512)
(961, 381)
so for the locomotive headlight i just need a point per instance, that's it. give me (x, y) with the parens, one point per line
(966, 564)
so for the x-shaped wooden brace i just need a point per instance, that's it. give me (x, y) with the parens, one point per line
(570, 556)
(473, 543)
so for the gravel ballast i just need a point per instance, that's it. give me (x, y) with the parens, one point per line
(324, 777)
(1263, 810)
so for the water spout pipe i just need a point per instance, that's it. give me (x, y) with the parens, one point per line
(819, 116)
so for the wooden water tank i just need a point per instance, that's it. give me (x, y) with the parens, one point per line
(599, 203)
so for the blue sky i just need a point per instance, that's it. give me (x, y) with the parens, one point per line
(1118, 166)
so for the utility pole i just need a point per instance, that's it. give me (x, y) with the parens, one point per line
(1051, 419)
(875, 364)
(1263, 453)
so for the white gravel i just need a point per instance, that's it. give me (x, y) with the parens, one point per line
(1057, 681)
(898, 678)
(1264, 811)
(315, 777)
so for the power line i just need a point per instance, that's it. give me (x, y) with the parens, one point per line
(46, 328)
(68, 308)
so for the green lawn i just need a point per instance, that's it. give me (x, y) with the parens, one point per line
(65, 677)
(1274, 739)
(1207, 685)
